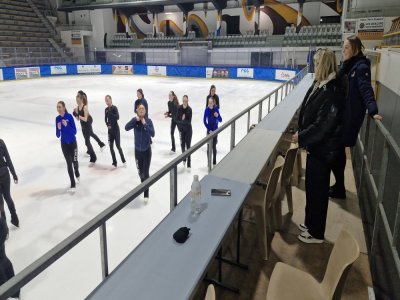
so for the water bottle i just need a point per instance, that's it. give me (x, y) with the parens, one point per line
(195, 196)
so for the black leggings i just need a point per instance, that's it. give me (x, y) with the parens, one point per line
(70, 152)
(186, 140)
(115, 136)
(87, 132)
(214, 149)
(338, 170)
(97, 139)
(317, 195)
(143, 160)
(6, 270)
(173, 127)
(5, 191)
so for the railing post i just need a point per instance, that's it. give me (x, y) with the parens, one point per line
(103, 250)
(248, 121)
(276, 98)
(260, 107)
(209, 153)
(233, 135)
(286, 89)
(173, 188)
(396, 223)
(281, 89)
(269, 104)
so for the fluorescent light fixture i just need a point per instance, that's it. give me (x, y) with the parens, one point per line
(168, 13)
(262, 6)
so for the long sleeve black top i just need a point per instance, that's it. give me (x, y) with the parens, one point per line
(5, 159)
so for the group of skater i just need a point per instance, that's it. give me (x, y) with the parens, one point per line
(330, 119)
(142, 126)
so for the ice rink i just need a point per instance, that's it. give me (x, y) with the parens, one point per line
(49, 213)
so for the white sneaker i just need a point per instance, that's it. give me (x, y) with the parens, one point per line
(146, 200)
(78, 179)
(87, 155)
(114, 167)
(307, 238)
(72, 190)
(302, 227)
(125, 165)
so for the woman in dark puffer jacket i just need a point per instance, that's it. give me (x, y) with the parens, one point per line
(320, 133)
(356, 72)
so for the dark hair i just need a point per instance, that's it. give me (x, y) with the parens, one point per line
(174, 98)
(212, 87)
(62, 103)
(83, 96)
(186, 96)
(357, 46)
(108, 96)
(141, 92)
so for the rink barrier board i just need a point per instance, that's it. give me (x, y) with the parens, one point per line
(257, 73)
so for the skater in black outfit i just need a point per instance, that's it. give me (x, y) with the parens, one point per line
(66, 129)
(6, 267)
(144, 131)
(212, 94)
(211, 119)
(184, 120)
(82, 114)
(114, 135)
(141, 100)
(6, 166)
(173, 105)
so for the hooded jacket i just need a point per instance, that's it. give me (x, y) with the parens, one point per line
(356, 72)
(67, 133)
(321, 119)
(143, 133)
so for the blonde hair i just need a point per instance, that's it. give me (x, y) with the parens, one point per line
(325, 64)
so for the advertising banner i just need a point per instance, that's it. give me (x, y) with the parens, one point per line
(284, 74)
(220, 73)
(26, 73)
(88, 69)
(1, 75)
(157, 70)
(371, 28)
(58, 70)
(209, 72)
(122, 69)
(245, 73)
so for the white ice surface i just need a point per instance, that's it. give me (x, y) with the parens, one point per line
(49, 213)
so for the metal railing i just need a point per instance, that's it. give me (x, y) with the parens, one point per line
(376, 165)
(99, 222)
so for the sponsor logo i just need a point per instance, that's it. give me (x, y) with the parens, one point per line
(1, 75)
(58, 70)
(122, 69)
(284, 74)
(209, 72)
(88, 69)
(157, 70)
(26, 73)
(220, 73)
(245, 73)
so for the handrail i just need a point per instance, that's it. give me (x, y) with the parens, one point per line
(99, 221)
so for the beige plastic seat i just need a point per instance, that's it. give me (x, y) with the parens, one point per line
(285, 183)
(288, 283)
(261, 202)
(210, 293)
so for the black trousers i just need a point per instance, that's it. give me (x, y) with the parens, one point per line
(214, 150)
(6, 270)
(338, 170)
(143, 160)
(317, 195)
(70, 152)
(5, 191)
(186, 141)
(87, 132)
(173, 127)
(115, 136)
(97, 139)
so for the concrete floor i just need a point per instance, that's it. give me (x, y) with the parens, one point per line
(285, 247)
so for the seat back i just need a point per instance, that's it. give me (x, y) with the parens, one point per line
(344, 253)
(287, 169)
(210, 293)
(272, 186)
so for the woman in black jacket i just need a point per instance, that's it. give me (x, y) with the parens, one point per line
(213, 94)
(184, 120)
(320, 133)
(6, 166)
(356, 72)
(173, 105)
(6, 267)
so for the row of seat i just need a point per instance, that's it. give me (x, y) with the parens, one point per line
(315, 35)
(248, 41)
(392, 39)
(84, 2)
(21, 28)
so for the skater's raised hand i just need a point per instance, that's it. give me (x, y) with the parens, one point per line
(16, 180)
(216, 114)
(65, 123)
(59, 125)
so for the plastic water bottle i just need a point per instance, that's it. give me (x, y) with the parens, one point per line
(195, 195)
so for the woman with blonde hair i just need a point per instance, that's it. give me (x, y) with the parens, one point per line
(320, 133)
